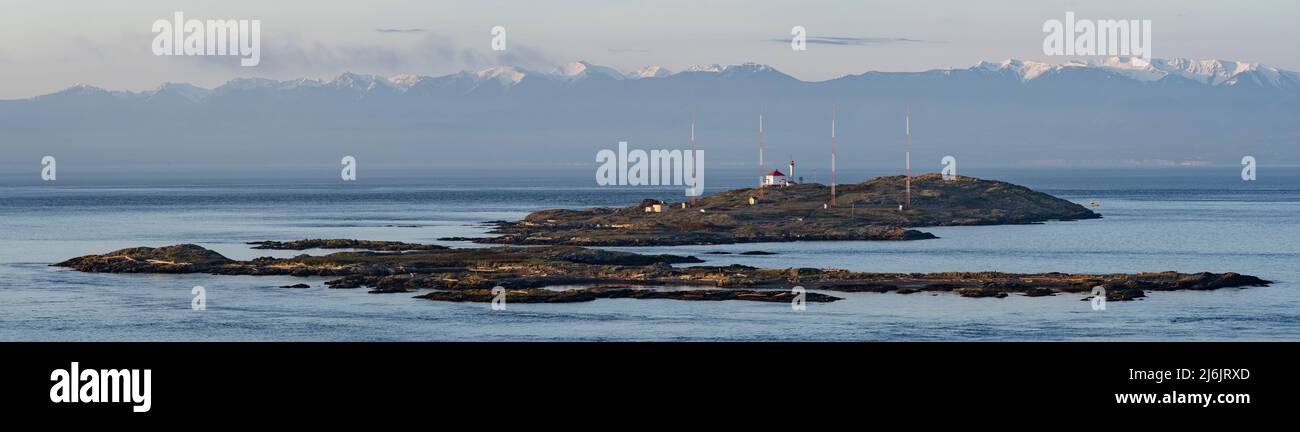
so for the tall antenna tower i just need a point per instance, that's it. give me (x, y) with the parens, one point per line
(761, 172)
(832, 154)
(695, 177)
(907, 152)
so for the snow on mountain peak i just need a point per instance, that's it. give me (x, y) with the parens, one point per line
(504, 74)
(1218, 73)
(571, 69)
(360, 81)
(650, 72)
(405, 81)
(736, 70)
(1209, 72)
(750, 67)
(1214, 72)
(713, 68)
(584, 69)
(1026, 70)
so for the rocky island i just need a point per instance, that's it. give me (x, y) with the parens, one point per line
(865, 211)
(531, 275)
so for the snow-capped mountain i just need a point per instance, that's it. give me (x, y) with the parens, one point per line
(507, 75)
(1003, 112)
(1214, 73)
(1208, 72)
(349, 80)
(583, 69)
(713, 68)
(405, 81)
(650, 72)
(1021, 69)
(750, 69)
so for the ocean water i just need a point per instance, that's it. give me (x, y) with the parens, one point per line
(1168, 218)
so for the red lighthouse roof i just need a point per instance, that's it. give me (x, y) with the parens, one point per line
(776, 173)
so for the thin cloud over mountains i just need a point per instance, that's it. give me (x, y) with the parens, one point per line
(852, 41)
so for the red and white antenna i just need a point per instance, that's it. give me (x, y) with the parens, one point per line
(907, 152)
(695, 177)
(832, 154)
(760, 148)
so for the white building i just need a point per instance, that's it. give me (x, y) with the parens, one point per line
(775, 178)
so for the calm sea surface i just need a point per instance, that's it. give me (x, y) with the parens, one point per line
(1184, 219)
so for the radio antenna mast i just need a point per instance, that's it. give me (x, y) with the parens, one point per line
(907, 152)
(695, 177)
(760, 148)
(832, 154)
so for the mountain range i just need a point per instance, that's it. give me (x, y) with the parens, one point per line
(1106, 111)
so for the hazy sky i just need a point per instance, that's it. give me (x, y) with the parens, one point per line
(53, 44)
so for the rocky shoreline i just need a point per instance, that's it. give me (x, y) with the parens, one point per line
(866, 211)
(469, 274)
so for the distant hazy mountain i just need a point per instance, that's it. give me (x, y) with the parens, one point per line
(1111, 111)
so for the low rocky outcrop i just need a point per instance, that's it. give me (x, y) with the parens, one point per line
(465, 274)
(536, 295)
(372, 245)
(183, 258)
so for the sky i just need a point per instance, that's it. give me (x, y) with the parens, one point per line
(54, 44)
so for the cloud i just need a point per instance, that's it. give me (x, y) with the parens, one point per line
(400, 30)
(852, 41)
(628, 50)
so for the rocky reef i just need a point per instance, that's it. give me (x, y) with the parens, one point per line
(469, 274)
(538, 295)
(864, 211)
(371, 245)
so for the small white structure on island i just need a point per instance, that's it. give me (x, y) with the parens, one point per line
(776, 178)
